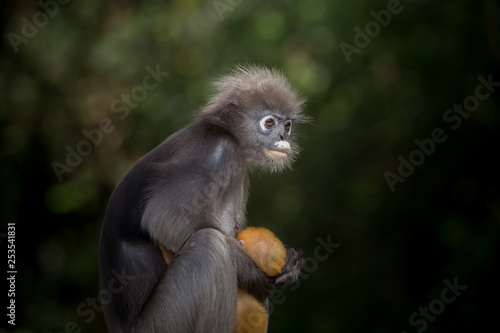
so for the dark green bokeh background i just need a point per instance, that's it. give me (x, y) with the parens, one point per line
(396, 247)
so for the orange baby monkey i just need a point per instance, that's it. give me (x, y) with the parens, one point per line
(269, 254)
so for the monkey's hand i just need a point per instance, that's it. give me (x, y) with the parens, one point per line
(251, 278)
(293, 263)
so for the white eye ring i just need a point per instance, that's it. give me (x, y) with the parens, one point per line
(268, 122)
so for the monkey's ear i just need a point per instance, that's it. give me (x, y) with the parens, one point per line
(232, 107)
(228, 112)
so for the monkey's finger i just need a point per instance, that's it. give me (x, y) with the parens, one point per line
(293, 264)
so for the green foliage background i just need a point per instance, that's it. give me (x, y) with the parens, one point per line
(396, 247)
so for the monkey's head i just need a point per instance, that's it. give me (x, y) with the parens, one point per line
(264, 248)
(260, 108)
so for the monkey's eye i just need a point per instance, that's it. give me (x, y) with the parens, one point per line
(288, 125)
(267, 122)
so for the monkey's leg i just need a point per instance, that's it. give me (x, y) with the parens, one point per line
(197, 292)
(251, 316)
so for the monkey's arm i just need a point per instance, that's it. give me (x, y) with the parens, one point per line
(250, 277)
(293, 263)
(177, 210)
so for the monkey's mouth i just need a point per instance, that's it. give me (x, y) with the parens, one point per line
(277, 153)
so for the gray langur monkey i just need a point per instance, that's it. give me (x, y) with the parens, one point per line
(168, 254)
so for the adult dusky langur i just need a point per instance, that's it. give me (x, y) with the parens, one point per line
(187, 198)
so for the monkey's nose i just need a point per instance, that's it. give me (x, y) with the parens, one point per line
(282, 137)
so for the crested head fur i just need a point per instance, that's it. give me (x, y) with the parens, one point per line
(250, 85)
